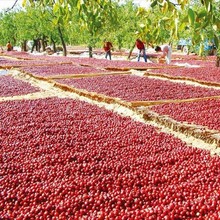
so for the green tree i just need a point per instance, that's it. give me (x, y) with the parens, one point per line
(93, 15)
(202, 18)
(126, 26)
(60, 15)
(8, 29)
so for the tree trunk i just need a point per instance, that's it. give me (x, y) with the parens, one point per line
(217, 61)
(130, 52)
(62, 41)
(119, 39)
(38, 45)
(44, 43)
(34, 45)
(15, 41)
(53, 43)
(24, 46)
(90, 51)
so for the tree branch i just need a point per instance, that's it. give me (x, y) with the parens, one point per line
(175, 4)
(12, 6)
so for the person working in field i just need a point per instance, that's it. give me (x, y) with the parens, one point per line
(107, 48)
(9, 46)
(167, 52)
(141, 47)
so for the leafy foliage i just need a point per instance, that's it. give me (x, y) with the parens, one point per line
(89, 22)
(200, 20)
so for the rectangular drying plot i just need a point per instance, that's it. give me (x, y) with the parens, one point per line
(205, 74)
(10, 63)
(135, 88)
(116, 64)
(10, 86)
(61, 69)
(205, 113)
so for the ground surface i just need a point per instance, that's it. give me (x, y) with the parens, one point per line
(89, 138)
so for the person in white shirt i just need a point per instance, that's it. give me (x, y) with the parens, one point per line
(167, 52)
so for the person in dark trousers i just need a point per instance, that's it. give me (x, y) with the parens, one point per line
(107, 48)
(141, 48)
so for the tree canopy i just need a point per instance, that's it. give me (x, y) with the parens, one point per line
(74, 22)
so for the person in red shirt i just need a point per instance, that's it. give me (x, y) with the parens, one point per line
(107, 48)
(141, 48)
